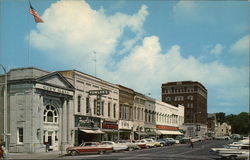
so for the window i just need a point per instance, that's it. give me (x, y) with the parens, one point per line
(50, 114)
(114, 110)
(79, 104)
(95, 106)
(190, 97)
(87, 105)
(19, 135)
(108, 109)
(168, 98)
(102, 108)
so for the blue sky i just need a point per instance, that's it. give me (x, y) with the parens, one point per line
(139, 44)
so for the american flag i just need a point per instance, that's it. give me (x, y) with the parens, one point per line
(33, 12)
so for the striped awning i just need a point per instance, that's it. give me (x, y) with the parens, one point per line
(170, 132)
(91, 131)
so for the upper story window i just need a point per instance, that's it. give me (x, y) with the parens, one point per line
(114, 110)
(109, 109)
(190, 97)
(87, 105)
(79, 103)
(50, 114)
(168, 98)
(19, 135)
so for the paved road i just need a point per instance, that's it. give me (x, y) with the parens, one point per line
(176, 152)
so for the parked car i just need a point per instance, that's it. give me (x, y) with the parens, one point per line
(155, 144)
(234, 153)
(162, 142)
(171, 141)
(222, 138)
(141, 144)
(185, 140)
(116, 147)
(149, 144)
(131, 146)
(165, 142)
(89, 147)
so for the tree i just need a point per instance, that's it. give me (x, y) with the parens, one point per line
(220, 117)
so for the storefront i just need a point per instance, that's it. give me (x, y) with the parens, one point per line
(110, 128)
(168, 131)
(125, 131)
(87, 129)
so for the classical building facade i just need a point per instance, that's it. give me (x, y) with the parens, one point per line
(138, 118)
(38, 103)
(66, 108)
(126, 102)
(93, 122)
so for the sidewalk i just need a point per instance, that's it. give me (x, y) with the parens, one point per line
(43, 155)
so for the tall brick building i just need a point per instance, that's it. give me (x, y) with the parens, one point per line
(192, 95)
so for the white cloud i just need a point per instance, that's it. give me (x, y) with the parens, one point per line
(186, 11)
(217, 49)
(73, 30)
(241, 46)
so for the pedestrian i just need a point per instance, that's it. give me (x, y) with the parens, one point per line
(46, 146)
(1, 152)
(191, 144)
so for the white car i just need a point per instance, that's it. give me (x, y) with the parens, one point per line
(149, 143)
(234, 153)
(116, 146)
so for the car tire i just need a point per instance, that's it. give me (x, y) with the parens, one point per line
(130, 149)
(74, 153)
(162, 145)
(101, 152)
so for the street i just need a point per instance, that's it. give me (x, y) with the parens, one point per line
(179, 151)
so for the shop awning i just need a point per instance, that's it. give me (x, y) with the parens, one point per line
(154, 133)
(90, 131)
(141, 133)
(170, 132)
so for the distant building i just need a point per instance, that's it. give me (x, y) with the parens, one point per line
(211, 123)
(192, 95)
(223, 130)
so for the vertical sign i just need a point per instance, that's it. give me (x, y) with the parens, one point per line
(98, 94)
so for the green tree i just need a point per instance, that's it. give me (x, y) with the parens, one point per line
(221, 118)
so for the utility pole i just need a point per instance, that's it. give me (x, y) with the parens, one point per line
(95, 60)
(5, 110)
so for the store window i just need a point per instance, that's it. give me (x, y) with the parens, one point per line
(50, 114)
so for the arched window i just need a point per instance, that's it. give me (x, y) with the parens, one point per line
(50, 114)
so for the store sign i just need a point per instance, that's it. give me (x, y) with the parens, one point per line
(125, 124)
(166, 127)
(98, 92)
(109, 125)
(54, 89)
(87, 122)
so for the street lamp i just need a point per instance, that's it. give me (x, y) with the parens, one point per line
(5, 110)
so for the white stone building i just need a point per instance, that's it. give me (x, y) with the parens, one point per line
(168, 118)
(105, 124)
(38, 103)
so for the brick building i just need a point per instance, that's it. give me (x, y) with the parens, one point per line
(192, 95)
